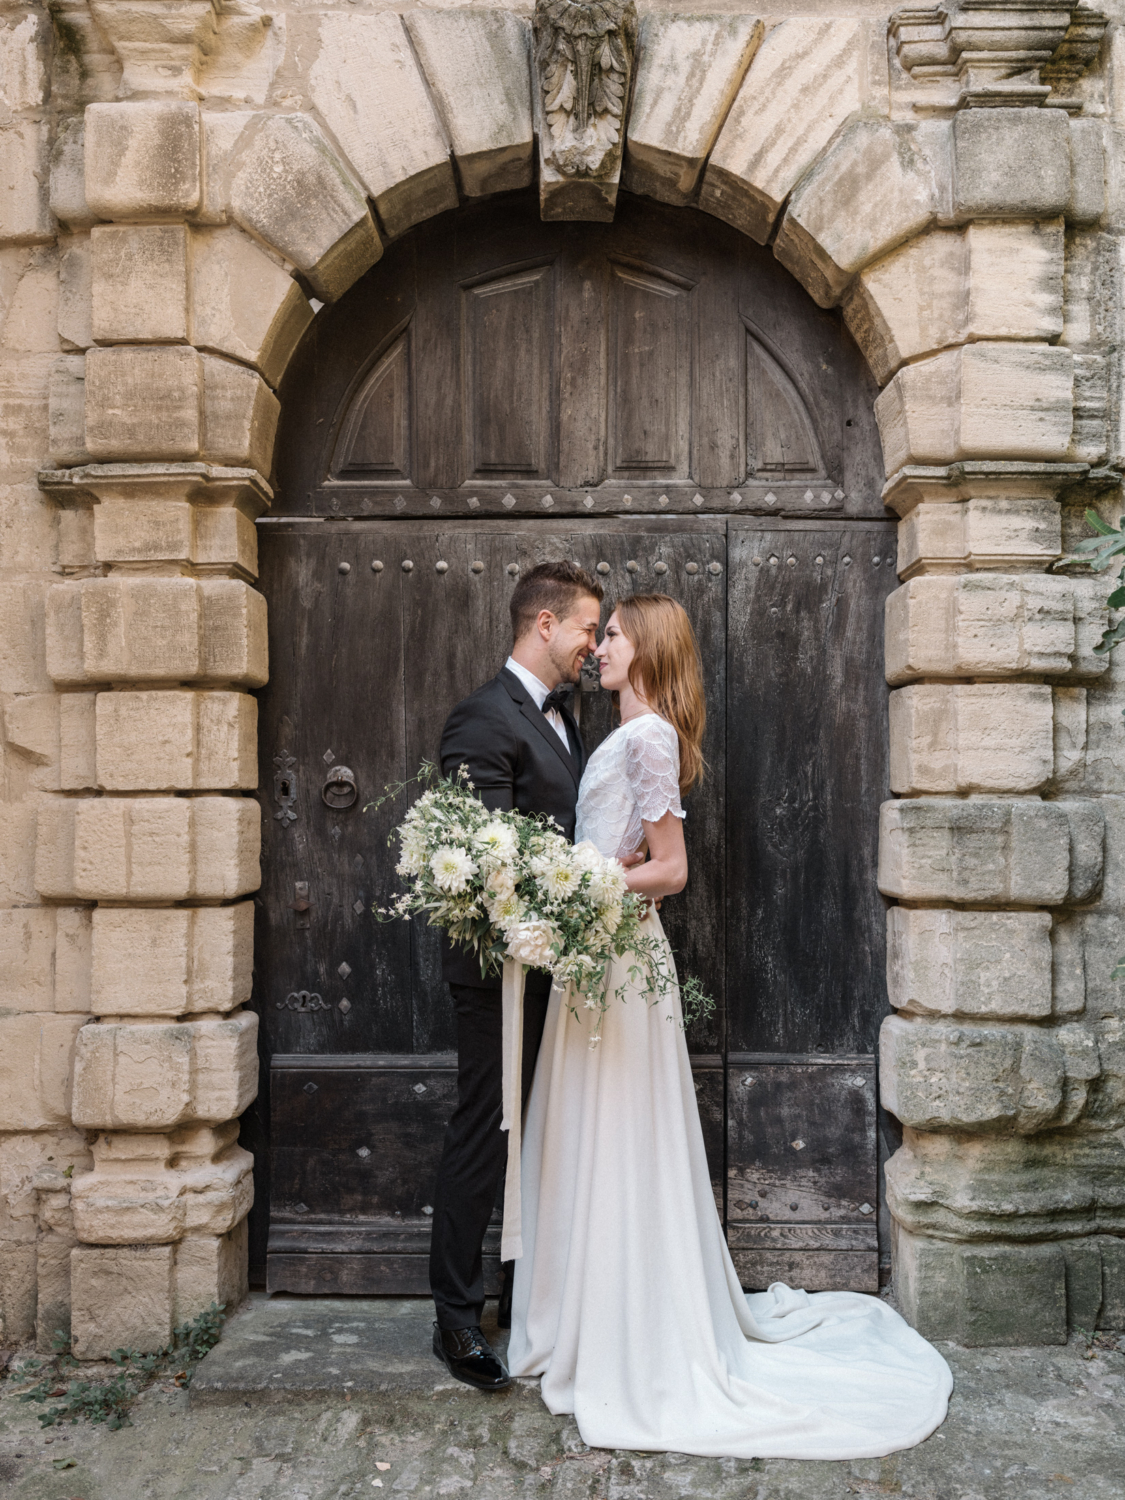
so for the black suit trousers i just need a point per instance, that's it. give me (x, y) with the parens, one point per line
(476, 1149)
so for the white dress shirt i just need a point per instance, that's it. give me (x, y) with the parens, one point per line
(539, 691)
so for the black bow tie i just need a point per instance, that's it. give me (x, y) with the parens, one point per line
(556, 699)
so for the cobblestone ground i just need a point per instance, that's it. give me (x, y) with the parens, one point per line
(1024, 1424)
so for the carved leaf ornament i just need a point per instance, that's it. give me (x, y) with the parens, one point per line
(584, 55)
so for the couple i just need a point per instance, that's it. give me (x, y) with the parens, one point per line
(625, 1301)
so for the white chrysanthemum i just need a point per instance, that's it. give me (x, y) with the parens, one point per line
(607, 885)
(530, 942)
(505, 910)
(452, 869)
(560, 881)
(609, 918)
(497, 841)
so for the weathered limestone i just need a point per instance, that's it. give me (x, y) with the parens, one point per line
(25, 215)
(66, 397)
(195, 514)
(243, 304)
(985, 534)
(208, 408)
(369, 90)
(139, 284)
(142, 159)
(34, 1168)
(986, 281)
(177, 740)
(995, 737)
(196, 959)
(150, 1076)
(1019, 852)
(982, 1295)
(994, 626)
(802, 85)
(36, 1065)
(940, 1076)
(68, 175)
(209, 1268)
(1011, 163)
(292, 191)
(993, 400)
(156, 630)
(987, 964)
(477, 65)
(45, 959)
(75, 294)
(157, 1187)
(121, 1297)
(57, 735)
(892, 171)
(688, 71)
(151, 849)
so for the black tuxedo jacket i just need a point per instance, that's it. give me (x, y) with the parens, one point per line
(515, 759)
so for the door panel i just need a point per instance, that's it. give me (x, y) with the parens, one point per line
(658, 400)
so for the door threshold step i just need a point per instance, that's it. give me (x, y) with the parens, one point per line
(288, 1348)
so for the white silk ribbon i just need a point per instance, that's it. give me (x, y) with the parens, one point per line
(515, 975)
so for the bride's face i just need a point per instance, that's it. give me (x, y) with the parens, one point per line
(614, 655)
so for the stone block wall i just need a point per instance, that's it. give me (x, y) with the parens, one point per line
(180, 188)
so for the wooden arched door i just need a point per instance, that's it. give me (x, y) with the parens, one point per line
(657, 399)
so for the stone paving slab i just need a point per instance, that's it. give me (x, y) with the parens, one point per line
(1024, 1424)
(298, 1348)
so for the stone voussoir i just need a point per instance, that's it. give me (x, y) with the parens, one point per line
(292, 191)
(689, 69)
(803, 83)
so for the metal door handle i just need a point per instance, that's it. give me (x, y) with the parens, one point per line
(340, 789)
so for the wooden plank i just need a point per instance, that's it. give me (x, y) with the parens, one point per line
(811, 1270)
(809, 759)
(362, 1275)
(782, 1237)
(801, 1143)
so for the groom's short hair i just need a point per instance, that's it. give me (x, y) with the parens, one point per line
(556, 586)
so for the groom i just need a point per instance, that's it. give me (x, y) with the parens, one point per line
(523, 750)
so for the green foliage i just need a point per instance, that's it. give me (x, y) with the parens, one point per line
(1098, 553)
(109, 1400)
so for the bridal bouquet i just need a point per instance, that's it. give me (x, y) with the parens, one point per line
(509, 885)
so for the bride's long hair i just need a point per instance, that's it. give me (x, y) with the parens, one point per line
(666, 671)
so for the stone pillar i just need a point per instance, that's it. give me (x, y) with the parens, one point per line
(163, 430)
(1003, 1057)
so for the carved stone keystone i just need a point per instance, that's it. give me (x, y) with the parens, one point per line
(584, 53)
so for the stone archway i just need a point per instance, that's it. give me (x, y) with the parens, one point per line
(942, 235)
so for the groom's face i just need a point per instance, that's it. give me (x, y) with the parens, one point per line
(573, 636)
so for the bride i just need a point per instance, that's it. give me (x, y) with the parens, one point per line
(626, 1303)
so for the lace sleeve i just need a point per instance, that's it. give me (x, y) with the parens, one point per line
(652, 768)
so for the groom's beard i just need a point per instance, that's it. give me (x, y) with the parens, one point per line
(565, 666)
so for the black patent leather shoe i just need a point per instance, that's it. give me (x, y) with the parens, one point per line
(468, 1356)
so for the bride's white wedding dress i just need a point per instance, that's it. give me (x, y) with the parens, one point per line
(626, 1302)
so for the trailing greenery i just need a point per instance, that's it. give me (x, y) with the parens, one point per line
(109, 1400)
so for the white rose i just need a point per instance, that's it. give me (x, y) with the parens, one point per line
(530, 942)
(587, 858)
(452, 869)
